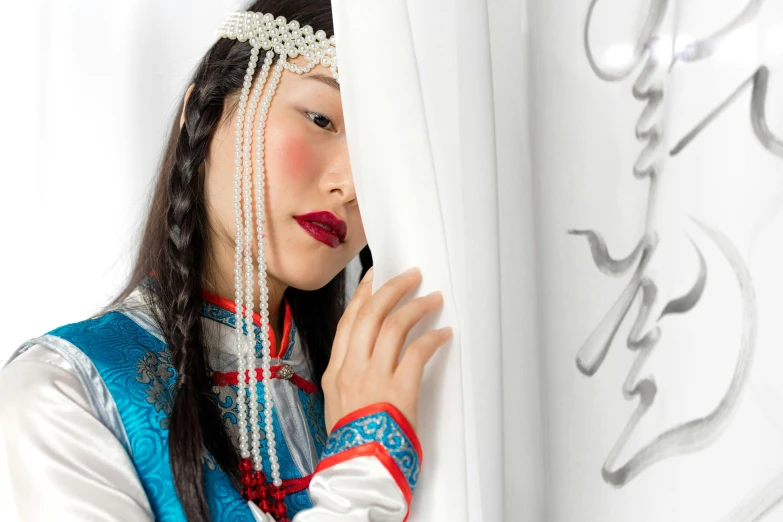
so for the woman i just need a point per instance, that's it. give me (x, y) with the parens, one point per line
(179, 401)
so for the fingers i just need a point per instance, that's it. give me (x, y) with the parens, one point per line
(419, 352)
(371, 315)
(397, 326)
(345, 326)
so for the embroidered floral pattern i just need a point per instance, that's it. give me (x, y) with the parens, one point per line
(227, 404)
(156, 371)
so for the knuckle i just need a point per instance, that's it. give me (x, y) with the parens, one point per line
(394, 323)
(364, 313)
(420, 347)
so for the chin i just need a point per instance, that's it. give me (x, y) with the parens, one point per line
(314, 281)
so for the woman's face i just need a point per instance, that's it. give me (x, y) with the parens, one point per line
(307, 170)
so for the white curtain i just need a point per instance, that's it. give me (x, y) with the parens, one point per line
(521, 153)
(436, 122)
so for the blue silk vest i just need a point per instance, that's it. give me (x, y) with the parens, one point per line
(135, 366)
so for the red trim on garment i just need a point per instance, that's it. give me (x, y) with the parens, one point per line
(296, 485)
(372, 449)
(231, 306)
(230, 378)
(395, 414)
(286, 331)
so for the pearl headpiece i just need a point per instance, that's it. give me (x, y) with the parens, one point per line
(284, 38)
(287, 40)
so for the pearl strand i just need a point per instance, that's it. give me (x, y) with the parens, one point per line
(252, 399)
(250, 355)
(264, 290)
(238, 280)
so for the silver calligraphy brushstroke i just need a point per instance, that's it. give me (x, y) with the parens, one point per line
(649, 87)
(697, 433)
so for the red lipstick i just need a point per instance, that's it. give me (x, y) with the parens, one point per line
(324, 226)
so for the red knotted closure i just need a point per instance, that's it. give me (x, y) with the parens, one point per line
(269, 498)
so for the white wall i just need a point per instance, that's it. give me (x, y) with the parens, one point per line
(88, 89)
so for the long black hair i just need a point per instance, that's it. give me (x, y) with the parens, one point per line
(174, 247)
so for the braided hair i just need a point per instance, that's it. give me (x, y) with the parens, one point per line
(175, 247)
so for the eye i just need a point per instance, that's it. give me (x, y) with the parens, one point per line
(319, 119)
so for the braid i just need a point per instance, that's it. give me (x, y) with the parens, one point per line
(183, 252)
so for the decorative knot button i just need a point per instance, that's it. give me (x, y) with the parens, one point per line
(285, 372)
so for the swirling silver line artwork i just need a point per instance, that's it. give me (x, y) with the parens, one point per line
(649, 87)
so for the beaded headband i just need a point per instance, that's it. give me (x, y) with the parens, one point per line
(284, 38)
(287, 40)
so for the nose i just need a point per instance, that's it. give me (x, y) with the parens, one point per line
(338, 179)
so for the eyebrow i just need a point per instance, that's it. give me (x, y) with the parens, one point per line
(328, 80)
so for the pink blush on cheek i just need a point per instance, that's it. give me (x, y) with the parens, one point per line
(295, 157)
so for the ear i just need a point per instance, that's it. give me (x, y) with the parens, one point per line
(185, 104)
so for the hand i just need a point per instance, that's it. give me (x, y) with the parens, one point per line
(364, 367)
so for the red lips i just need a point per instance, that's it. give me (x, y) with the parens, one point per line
(324, 226)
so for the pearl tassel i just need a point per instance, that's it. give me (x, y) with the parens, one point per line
(264, 290)
(288, 40)
(242, 345)
(250, 352)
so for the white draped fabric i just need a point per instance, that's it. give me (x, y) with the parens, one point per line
(422, 95)
(640, 141)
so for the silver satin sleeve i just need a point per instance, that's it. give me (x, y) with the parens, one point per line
(60, 461)
(357, 490)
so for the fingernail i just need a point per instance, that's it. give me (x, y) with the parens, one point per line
(369, 273)
(413, 270)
